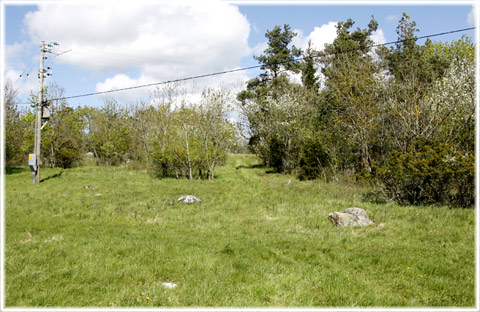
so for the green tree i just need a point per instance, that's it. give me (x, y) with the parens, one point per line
(431, 97)
(15, 128)
(430, 172)
(62, 135)
(109, 133)
(448, 110)
(278, 61)
(308, 68)
(413, 68)
(217, 135)
(351, 80)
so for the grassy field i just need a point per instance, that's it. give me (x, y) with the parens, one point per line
(257, 239)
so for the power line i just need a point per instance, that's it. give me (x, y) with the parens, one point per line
(26, 72)
(425, 37)
(252, 67)
(160, 83)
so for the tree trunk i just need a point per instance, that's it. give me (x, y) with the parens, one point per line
(189, 163)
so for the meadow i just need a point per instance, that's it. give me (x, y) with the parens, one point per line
(257, 239)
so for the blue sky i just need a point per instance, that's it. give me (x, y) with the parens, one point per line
(117, 46)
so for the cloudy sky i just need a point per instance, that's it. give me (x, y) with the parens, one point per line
(114, 45)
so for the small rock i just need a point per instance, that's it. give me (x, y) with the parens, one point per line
(27, 239)
(189, 199)
(169, 285)
(89, 155)
(98, 194)
(55, 238)
(91, 187)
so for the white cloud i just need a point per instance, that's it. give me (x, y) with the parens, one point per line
(295, 78)
(25, 84)
(471, 19)
(22, 75)
(392, 18)
(162, 41)
(378, 37)
(260, 48)
(323, 35)
(121, 81)
(319, 36)
(193, 87)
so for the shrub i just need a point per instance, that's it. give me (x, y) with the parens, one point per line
(163, 164)
(429, 173)
(313, 161)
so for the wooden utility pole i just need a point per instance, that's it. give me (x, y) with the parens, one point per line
(38, 120)
(42, 113)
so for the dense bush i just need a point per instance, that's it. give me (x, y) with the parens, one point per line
(314, 161)
(429, 173)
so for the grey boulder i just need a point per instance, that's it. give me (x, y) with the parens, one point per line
(359, 212)
(350, 217)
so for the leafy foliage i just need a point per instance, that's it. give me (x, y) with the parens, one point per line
(15, 128)
(198, 138)
(429, 173)
(315, 160)
(374, 108)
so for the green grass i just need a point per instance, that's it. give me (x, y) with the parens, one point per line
(255, 240)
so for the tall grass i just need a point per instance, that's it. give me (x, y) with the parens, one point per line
(256, 239)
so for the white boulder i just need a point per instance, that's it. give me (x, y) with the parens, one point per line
(189, 199)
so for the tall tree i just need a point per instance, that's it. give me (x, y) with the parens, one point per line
(217, 135)
(413, 68)
(109, 133)
(62, 136)
(278, 61)
(308, 68)
(351, 88)
(14, 127)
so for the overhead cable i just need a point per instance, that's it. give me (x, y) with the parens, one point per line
(252, 67)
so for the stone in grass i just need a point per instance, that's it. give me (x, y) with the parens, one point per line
(359, 212)
(189, 199)
(169, 285)
(91, 187)
(350, 217)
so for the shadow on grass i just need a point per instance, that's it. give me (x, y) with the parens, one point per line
(255, 166)
(14, 170)
(52, 176)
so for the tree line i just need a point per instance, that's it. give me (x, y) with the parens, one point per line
(401, 118)
(169, 133)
